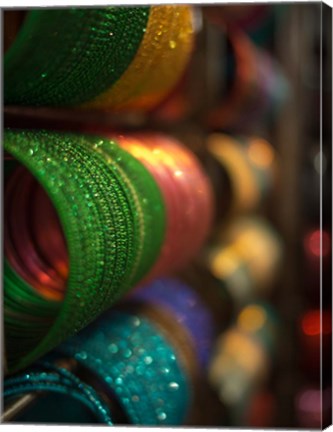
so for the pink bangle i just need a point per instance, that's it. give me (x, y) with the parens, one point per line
(187, 193)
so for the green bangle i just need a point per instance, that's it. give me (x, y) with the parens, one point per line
(113, 226)
(149, 203)
(68, 56)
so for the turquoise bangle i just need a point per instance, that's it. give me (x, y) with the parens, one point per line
(47, 377)
(135, 360)
(111, 240)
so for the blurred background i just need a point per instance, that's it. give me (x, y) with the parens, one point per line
(254, 106)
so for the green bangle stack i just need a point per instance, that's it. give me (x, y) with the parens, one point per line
(68, 56)
(114, 58)
(113, 219)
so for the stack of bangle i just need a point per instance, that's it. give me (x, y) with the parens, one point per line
(243, 354)
(131, 355)
(186, 307)
(245, 258)
(112, 217)
(256, 91)
(48, 378)
(187, 192)
(107, 58)
(250, 164)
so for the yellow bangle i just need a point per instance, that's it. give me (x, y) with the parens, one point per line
(244, 188)
(161, 59)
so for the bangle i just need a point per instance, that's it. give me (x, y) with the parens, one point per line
(127, 352)
(86, 57)
(242, 354)
(158, 64)
(258, 89)
(250, 164)
(186, 308)
(186, 191)
(246, 257)
(49, 378)
(110, 245)
(113, 57)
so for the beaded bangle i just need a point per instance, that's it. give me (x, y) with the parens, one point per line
(186, 308)
(186, 191)
(111, 241)
(47, 377)
(113, 57)
(138, 363)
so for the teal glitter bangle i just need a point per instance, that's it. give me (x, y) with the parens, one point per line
(107, 238)
(139, 365)
(50, 378)
(68, 56)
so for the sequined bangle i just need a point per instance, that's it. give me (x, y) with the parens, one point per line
(186, 190)
(111, 241)
(186, 307)
(47, 377)
(128, 353)
(251, 167)
(113, 57)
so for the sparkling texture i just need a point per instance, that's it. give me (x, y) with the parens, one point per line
(50, 378)
(187, 192)
(115, 57)
(148, 395)
(112, 241)
(67, 56)
(187, 309)
(158, 64)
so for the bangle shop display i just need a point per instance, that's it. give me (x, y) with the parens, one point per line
(162, 255)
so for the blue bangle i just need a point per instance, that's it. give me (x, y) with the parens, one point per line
(130, 356)
(187, 309)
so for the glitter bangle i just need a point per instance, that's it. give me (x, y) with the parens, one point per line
(127, 352)
(86, 58)
(97, 56)
(158, 64)
(186, 191)
(110, 245)
(47, 377)
(186, 307)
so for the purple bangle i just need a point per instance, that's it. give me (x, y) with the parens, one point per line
(188, 309)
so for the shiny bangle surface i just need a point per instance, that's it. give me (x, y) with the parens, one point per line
(47, 377)
(108, 58)
(137, 362)
(186, 307)
(158, 64)
(186, 191)
(111, 240)
(90, 47)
